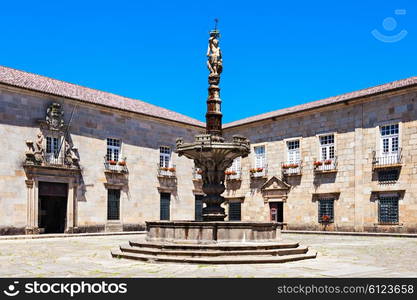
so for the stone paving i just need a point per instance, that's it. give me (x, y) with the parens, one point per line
(338, 256)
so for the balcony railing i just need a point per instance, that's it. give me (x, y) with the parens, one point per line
(259, 172)
(387, 160)
(115, 166)
(291, 168)
(233, 174)
(197, 174)
(166, 171)
(325, 166)
(53, 160)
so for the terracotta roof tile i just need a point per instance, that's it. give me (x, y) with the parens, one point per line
(44, 84)
(332, 100)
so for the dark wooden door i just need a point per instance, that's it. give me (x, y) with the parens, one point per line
(276, 211)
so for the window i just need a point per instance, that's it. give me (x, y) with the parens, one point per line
(388, 175)
(113, 149)
(113, 204)
(293, 151)
(236, 166)
(260, 157)
(389, 139)
(198, 212)
(235, 211)
(326, 210)
(388, 209)
(165, 205)
(52, 147)
(327, 147)
(164, 157)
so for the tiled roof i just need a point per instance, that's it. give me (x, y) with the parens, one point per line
(44, 84)
(412, 81)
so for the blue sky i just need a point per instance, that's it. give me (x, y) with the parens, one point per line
(276, 53)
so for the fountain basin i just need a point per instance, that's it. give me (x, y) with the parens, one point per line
(196, 232)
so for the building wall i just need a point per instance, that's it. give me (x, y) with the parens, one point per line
(356, 130)
(141, 138)
(354, 124)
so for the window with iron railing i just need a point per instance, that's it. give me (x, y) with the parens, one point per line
(113, 204)
(388, 209)
(326, 210)
(235, 211)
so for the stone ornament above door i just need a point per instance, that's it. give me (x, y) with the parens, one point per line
(275, 188)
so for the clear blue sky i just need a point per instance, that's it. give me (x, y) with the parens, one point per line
(276, 53)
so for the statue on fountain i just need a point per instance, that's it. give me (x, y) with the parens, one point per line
(209, 151)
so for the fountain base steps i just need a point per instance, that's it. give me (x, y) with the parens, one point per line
(222, 253)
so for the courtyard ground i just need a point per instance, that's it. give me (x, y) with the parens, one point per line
(338, 256)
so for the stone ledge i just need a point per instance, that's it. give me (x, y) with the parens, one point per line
(384, 234)
(65, 235)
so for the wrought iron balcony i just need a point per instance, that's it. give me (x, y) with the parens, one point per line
(168, 172)
(325, 166)
(390, 160)
(233, 174)
(259, 172)
(197, 174)
(115, 166)
(291, 168)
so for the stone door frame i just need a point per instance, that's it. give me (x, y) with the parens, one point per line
(32, 186)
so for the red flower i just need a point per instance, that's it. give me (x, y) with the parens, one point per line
(171, 169)
(328, 162)
(325, 218)
(112, 162)
(317, 163)
(122, 163)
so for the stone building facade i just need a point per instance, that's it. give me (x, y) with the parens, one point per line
(81, 160)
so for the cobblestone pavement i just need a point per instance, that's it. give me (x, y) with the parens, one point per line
(338, 256)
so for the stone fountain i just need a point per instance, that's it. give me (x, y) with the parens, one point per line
(213, 240)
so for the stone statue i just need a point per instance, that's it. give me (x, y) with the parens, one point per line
(214, 54)
(39, 150)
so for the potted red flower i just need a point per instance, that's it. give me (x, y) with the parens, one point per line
(112, 162)
(122, 163)
(293, 166)
(259, 169)
(171, 169)
(325, 219)
(199, 171)
(328, 162)
(317, 163)
(285, 166)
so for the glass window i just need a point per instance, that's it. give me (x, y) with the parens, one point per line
(164, 157)
(293, 151)
(327, 147)
(113, 149)
(389, 139)
(260, 157)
